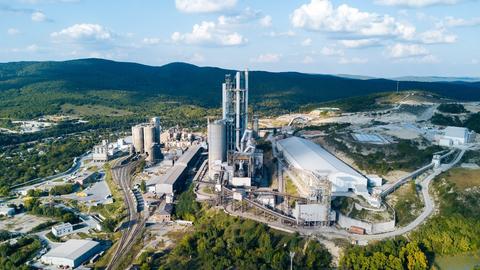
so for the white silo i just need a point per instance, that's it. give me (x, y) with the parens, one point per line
(148, 138)
(217, 144)
(137, 138)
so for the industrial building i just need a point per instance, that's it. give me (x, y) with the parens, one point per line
(62, 229)
(309, 159)
(107, 151)
(233, 157)
(174, 179)
(146, 139)
(453, 136)
(71, 253)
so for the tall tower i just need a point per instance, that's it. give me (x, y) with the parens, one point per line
(235, 108)
(155, 121)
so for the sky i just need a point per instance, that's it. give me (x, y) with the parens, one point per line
(380, 38)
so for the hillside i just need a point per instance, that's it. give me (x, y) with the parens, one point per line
(181, 79)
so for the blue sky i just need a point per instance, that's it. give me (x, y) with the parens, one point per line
(384, 38)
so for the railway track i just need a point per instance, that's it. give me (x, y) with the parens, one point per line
(135, 223)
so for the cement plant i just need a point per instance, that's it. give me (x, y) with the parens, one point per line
(290, 172)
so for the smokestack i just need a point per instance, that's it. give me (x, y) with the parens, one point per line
(246, 99)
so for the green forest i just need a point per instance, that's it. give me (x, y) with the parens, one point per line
(455, 230)
(14, 256)
(242, 244)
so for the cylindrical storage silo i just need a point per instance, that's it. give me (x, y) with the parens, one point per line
(148, 138)
(217, 144)
(137, 138)
(155, 121)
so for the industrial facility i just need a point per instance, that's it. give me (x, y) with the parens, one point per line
(71, 253)
(454, 136)
(311, 164)
(146, 139)
(233, 158)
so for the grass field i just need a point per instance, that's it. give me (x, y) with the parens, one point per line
(90, 110)
(464, 178)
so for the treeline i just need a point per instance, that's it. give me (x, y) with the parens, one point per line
(472, 122)
(454, 108)
(398, 254)
(454, 230)
(33, 206)
(14, 256)
(20, 164)
(223, 242)
(457, 228)
(63, 189)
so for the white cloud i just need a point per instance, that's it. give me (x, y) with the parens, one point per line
(84, 32)
(151, 41)
(197, 58)
(458, 22)
(204, 6)
(415, 3)
(320, 15)
(266, 58)
(288, 33)
(209, 33)
(13, 31)
(307, 42)
(400, 50)
(358, 43)
(245, 16)
(437, 36)
(308, 60)
(330, 51)
(266, 21)
(38, 16)
(353, 60)
(29, 49)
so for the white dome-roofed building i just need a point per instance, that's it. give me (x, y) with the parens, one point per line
(302, 154)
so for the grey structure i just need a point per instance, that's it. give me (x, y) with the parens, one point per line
(137, 138)
(235, 108)
(173, 180)
(217, 144)
(71, 253)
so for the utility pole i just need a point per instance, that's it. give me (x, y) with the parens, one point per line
(398, 82)
(292, 254)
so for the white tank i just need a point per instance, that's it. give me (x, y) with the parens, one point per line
(155, 121)
(148, 138)
(137, 138)
(217, 144)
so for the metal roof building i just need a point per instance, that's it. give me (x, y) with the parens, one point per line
(305, 155)
(169, 182)
(71, 253)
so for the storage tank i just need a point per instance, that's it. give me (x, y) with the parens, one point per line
(137, 138)
(148, 138)
(217, 144)
(153, 152)
(155, 121)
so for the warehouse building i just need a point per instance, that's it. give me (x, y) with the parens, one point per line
(71, 253)
(456, 136)
(304, 155)
(175, 177)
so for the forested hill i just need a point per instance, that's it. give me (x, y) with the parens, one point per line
(201, 85)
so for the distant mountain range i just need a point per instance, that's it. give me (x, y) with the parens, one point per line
(202, 85)
(416, 78)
